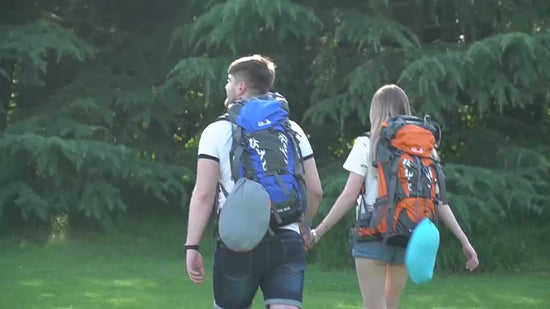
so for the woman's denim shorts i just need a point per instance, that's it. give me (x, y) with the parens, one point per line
(378, 250)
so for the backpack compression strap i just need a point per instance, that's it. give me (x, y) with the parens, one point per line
(236, 152)
(392, 191)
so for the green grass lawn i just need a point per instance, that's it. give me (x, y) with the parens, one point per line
(145, 268)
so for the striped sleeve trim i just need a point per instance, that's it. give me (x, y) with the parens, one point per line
(209, 157)
(307, 157)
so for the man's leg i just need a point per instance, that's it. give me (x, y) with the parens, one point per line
(282, 283)
(235, 281)
(283, 307)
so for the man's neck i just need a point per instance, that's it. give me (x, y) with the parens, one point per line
(245, 97)
(248, 95)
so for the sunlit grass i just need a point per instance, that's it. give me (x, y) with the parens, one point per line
(143, 267)
(33, 283)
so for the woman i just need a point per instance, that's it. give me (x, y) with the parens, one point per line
(380, 268)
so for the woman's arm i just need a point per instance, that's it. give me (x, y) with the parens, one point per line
(447, 216)
(342, 205)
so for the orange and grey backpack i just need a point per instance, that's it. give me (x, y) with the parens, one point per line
(410, 180)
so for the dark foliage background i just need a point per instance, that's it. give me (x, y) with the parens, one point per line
(102, 103)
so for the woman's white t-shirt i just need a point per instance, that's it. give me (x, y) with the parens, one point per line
(357, 162)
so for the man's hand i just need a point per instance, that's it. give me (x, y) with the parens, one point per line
(195, 266)
(307, 238)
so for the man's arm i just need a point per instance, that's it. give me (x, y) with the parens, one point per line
(314, 188)
(200, 209)
(202, 199)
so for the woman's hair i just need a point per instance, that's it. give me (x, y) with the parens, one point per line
(387, 101)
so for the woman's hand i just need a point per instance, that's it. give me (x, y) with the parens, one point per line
(472, 261)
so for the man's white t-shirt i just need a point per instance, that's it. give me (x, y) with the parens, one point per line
(215, 144)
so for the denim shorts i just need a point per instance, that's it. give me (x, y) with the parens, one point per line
(277, 266)
(378, 250)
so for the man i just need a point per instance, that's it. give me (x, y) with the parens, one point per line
(277, 263)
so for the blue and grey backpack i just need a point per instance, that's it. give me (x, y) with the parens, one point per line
(265, 151)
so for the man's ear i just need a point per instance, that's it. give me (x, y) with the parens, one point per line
(241, 88)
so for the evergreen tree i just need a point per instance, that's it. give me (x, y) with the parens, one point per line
(87, 130)
(477, 67)
(102, 104)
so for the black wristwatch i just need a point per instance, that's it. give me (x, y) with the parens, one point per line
(191, 247)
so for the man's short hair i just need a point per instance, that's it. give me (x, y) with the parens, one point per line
(258, 71)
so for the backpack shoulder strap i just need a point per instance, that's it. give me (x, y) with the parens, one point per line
(441, 181)
(234, 111)
(224, 117)
(298, 166)
(299, 160)
(238, 145)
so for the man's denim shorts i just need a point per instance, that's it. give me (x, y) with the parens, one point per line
(277, 266)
